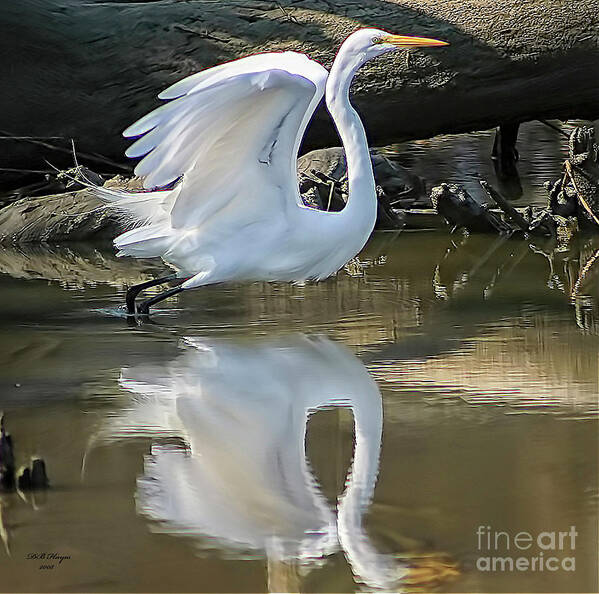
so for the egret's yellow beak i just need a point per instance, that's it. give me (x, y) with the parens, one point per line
(410, 42)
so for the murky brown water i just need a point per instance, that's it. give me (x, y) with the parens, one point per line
(213, 450)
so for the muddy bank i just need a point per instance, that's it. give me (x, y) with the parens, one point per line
(83, 69)
(74, 216)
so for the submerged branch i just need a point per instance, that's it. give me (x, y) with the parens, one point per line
(505, 206)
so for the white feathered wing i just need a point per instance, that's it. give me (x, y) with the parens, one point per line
(229, 138)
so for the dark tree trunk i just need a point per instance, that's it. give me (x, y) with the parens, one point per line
(85, 69)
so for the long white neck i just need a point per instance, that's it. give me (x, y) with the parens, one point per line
(362, 204)
(368, 564)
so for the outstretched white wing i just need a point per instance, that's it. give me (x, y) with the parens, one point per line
(232, 134)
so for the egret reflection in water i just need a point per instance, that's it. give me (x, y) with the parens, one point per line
(243, 481)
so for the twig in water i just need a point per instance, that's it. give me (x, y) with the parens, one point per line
(554, 127)
(505, 206)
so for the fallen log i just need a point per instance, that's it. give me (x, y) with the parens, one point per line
(85, 69)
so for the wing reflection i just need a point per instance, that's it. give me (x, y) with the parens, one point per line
(242, 409)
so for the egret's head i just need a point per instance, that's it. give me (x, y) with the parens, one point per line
(369, 43)
(361, 46)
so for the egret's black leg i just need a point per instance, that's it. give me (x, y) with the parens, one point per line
(135, 290)
(144, 306)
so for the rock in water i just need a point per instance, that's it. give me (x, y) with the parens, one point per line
(461, 210)
(24, 481)
(33, 478)
(39, 479)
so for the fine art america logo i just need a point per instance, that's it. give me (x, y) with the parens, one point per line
(525, 551)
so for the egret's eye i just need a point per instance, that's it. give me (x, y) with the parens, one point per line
(376, 40)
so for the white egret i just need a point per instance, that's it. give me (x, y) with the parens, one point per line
(243, 480)
(226, 146)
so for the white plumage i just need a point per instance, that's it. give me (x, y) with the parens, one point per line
(243, 481)
(226, 145)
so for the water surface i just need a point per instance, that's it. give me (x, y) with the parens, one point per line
(347, 435)
(465, 159)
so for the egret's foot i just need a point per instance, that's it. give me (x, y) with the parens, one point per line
(135, 290)
(144, 307)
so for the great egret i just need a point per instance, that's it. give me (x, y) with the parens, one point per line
(242, 479)
(226, 147)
